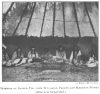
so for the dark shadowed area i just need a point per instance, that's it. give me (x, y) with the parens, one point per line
(52, 43)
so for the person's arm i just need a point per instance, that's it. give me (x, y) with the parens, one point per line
(71, 57)
(22, 55)
(37, 55)
(7, 57)
(14, 56)
(50, 56)
(29, 55)
(64, 55)
(79, 53)
(57, 55)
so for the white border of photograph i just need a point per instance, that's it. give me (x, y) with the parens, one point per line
(26, 85)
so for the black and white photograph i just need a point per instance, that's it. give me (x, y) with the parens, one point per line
(50, 41)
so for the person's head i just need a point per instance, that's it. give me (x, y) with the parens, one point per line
(76, 48)
(19, 50)
(61, 48)
(33, 49)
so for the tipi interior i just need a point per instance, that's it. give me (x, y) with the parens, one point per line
(48, 25)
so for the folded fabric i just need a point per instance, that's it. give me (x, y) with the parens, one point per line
(16, 61)
(4, 62)
(9, 63)
(19, 62)
(92, 62)
(29, 60)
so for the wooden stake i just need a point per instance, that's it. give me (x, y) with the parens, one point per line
(54, 18)
(90, 19)
(8, 11)
(76, 18)
(43, 19)
(63, 18)
(30, 19)
(20, 19)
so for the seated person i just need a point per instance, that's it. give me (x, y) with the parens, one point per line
(75, 56)
(5, 57)
(60, 53)
(32, 55)
(18, 57)
(93, 59)
(46, 55)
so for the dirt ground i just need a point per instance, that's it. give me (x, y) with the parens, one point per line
(29, 73)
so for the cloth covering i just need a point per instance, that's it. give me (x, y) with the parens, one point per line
(92, 62)
(61, 55)
(32, 55)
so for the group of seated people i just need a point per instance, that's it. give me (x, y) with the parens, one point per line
(76, 56)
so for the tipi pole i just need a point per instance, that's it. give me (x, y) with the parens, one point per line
(8, 11)
(43, 19)
(54, 18)
(63, 17)
(30, 19)
(20, 19)
(90, 19)
(76, 18)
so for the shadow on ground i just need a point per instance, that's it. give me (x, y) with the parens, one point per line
(30, 74)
